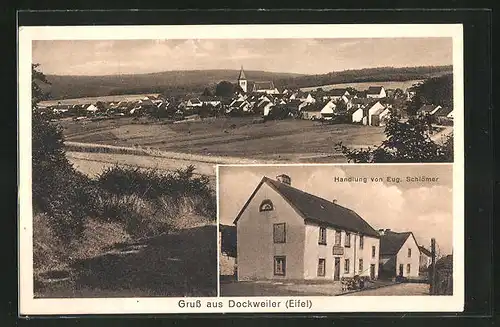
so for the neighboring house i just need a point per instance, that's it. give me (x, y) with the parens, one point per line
(428, 110)
(399, 254)
(376, 92)
(328, 110)
(312, 111)
(295, 106)
(265, 87)
(194, 102)
(379, 117)
(239, 105)
(374, 108)
(337, 94)
(264, 108)
(92, 109)
(359, 115)
(210, 100)
(425, 258)
(286, 233)
(445, 112)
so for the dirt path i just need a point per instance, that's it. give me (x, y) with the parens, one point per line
(398, 289)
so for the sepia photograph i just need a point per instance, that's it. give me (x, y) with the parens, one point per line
(123, 130)
(336, 230)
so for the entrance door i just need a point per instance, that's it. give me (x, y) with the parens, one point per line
(336, 269)
(372, 271)
(401, 267)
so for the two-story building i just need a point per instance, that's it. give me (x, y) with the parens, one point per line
(286, 233)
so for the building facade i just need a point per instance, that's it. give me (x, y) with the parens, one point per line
(399, 254)
(285, 233)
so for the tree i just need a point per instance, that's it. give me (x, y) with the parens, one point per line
(38, 78)
(436, 91)
(408, 141)
(224, 89)
(64, 194)
(206, 92)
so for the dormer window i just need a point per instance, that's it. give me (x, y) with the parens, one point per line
(266, 205)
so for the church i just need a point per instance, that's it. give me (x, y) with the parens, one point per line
(266, 87)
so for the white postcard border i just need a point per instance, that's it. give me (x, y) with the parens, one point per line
(31, 306)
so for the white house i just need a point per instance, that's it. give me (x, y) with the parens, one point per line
(373, 109)
(359, 116)
(328, 110)
(92, 109)
(286, 233)
(376, 92)
(399, 254)
(194, 102)
(378, 117)
(428, 110)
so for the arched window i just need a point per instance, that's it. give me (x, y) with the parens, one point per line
(266, 205)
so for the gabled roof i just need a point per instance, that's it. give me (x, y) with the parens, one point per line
(194, 100)
(427, 108)
(375, 89)
(263, 85)
(424, 251)
(443, 111)
(316, 106)
(391, 242)
(337, 92)
(315, 209)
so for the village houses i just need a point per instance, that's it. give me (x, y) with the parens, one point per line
(286, 233)
(399, 255)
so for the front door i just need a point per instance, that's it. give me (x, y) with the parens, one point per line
(372, 271)
(401, 267)
(336, 269)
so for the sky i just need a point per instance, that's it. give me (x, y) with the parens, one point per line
(422, 208)
(304, 56)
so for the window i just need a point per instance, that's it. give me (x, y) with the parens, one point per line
(360, 265)
(322, 236)
(408, 269)
(280, 266)
(338, 237)
(409, 253)
(321, 267)
(279, 233)
(266, 205)
(347, 241)
(346, 266)
(373, 251)
(361, 242)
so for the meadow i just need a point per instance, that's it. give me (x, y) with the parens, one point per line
(403, 85)
(283, 140)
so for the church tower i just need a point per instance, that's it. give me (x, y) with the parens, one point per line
(242, 80)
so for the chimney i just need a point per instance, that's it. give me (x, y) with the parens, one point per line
(387, 230)
(334, 201)
(285, 179)
(381, 231)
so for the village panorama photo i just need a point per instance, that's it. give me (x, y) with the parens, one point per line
(122, 130)
(324, 230)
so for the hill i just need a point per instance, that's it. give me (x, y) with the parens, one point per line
(381, 74)
(171, 82)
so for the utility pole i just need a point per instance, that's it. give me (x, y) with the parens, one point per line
(433, 265)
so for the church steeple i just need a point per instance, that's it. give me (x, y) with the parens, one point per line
(242, 80)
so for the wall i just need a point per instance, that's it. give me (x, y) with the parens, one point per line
(255, 246)
(315, 251)
(357, 116)
(414, 260)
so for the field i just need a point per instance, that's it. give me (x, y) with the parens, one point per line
(87, 100)
(364, 85)
(286, 140)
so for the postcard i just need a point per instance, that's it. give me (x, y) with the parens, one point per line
(240, 168)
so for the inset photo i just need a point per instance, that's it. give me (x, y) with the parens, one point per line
(323, 230)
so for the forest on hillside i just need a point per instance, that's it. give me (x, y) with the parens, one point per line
(179, 83)
(365, 75)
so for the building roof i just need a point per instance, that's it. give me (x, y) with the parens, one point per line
(427, 108)
(443, 112)
(391, 242)
(268, 85)
(375, 89)
(313, 208)
(337, 92)
(242, 74)
(316, 106)
(194, 100)
(424, 251)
